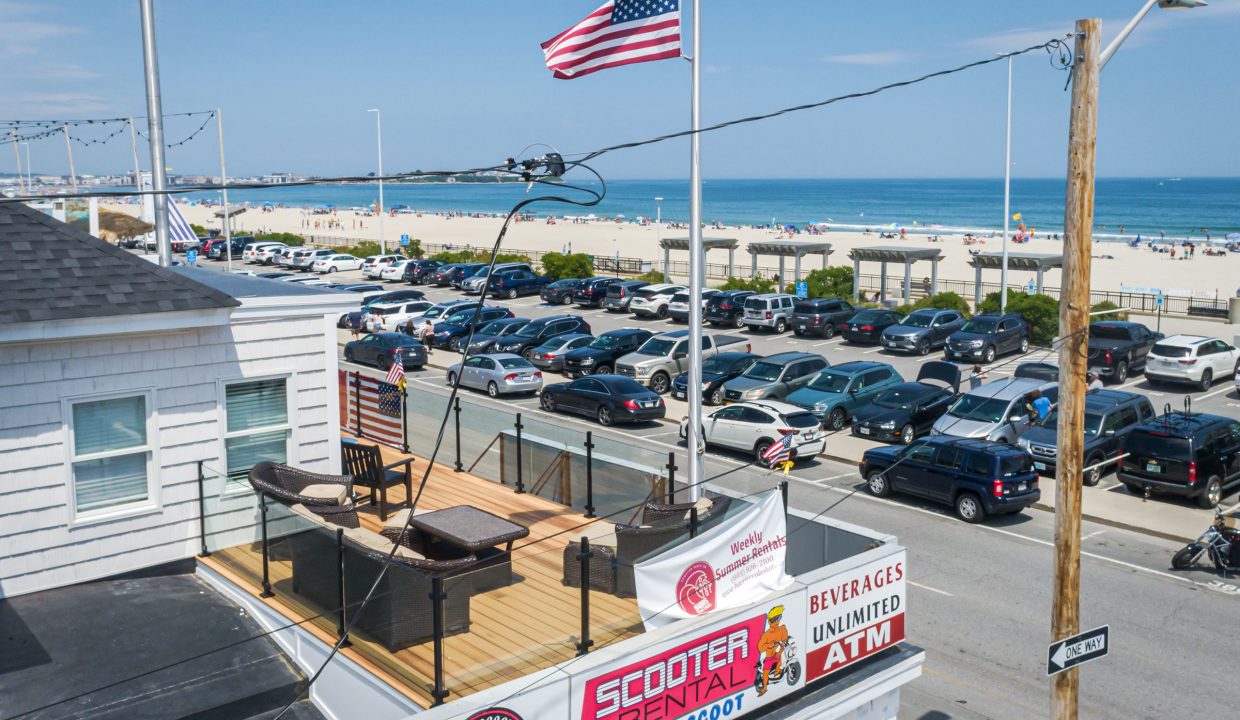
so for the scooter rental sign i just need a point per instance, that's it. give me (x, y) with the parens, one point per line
(855, 615)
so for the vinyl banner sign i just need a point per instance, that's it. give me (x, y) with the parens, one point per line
(855, 614)
(731, 565)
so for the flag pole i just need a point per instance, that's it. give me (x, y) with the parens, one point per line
(697, 262)
(219, 131)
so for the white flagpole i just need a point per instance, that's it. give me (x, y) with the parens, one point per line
(1007, 193)
(219, 131)
(697, 263)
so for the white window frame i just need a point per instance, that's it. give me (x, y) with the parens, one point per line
(153, 502)
(291, 444)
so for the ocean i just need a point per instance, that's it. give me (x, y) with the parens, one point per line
(1124, 207)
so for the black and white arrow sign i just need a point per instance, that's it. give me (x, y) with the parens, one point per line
(1070, 652)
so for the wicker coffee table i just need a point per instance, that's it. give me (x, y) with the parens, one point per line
(466, 529)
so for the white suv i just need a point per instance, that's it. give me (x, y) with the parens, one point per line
(306, 260)
(251, 252)
(374, 265)
(390, 317)
(652, 300)
(1191, 359)
(752, 427)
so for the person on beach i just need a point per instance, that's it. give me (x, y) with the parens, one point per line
(977, 377)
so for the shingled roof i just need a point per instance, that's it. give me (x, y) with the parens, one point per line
(52, 271)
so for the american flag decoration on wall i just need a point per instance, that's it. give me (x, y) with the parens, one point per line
(621, 32)
(372, 408)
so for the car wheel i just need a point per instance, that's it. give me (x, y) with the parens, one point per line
(969, 508)
(567, 300)
(661, 313)
(492, 389)
(602, 370)
(780, 325)
(798, 330)
(738, 322)
(348, 354)
(760, 449)
(837, 418)
(512, 293)
(659, 383)
(828, 331)
(1093, 476)
(716, 397)
(383, 362)
(923, 347)
(1024, 345)
(451, 379)
(876, 483)
(455, 344)
(1213, 493)
(529, 353)
(907, 434)
(989, 356)
(331, 269)
(1207, 379)
(1121, 371)
(604, 416)
(547, 402)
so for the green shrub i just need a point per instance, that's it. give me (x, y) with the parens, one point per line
(365, 248)
(576, 265)
(758, 284)
(414, 248)
(654, 276)
(1107, 305)
(199, 230)
(990, 303)
(1042, 312)
(944, 301)
(454, 256)
(477, 256)
(287, 238)
(832, 282)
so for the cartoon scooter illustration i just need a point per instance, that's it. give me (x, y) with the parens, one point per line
(777, 654)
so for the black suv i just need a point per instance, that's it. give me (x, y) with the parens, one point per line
(537, 332)
(599, 357)
(561, 292)
(988, 335)
(716, 370)
(727, 307)
(821, 316)
(593, 290)
(1109, 416)
(977, 477)
(1193, 455)
(419, 271)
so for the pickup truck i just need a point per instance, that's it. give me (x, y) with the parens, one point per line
(665, 356)
(1118, 348)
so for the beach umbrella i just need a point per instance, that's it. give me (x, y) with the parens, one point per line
(1233, 236)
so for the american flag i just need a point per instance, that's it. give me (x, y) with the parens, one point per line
(371, 408)
(779, 452)
(621, 32)
(396, 373)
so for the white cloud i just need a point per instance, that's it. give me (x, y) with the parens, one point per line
(56, 103)
(870, 58)
(1017, 38)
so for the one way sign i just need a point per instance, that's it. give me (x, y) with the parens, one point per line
(1073, 651)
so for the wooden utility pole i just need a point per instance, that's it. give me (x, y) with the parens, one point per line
(1074, 341)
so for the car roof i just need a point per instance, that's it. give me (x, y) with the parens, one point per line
(658, 287)
(633, 283)
(396, 336)
(1011, 388)
(553, 318)
(624, 332)
(770, 296)
(997, 315)
(1105, 399)
(1184, 340)
(1116, 323)
(775, 406)
(736, 355)
(500, 356)
(734, 293)
(787, 357)
(989, 447)
(858, 366)
(611, 380)
(567, 337)
(1181, 424)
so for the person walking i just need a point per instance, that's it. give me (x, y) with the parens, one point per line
(977, 377)
(355, 323)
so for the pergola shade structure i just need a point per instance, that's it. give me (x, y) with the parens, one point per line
(894, 254)
(1029, 262)
(784, 249)
(708, 244)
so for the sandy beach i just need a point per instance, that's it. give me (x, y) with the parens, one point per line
(1115, 264)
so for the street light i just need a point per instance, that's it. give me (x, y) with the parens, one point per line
(1007, 193)
(1105, 57)
(29, 183)
(379, 135)
(658, 228)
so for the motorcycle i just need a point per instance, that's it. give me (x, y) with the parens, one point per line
(789, 668)
(1220, 541)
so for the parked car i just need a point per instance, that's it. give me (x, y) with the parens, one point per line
(218, 248)
(485, 336)
(561, 291)
(417, 271)
(536, 332)
(752, 427)
(550, 355)
(274, 275)
(998, 410)
(437, 314)
(294, 257)
(336, 263)
(1037, 371)
(461, 273)
(284, 258)
(987, 336)
(922, 330)
(665, 356)
(593, 291)
(727, 308)
(1191, 359)
(497, 374)
(394, 271)
(716, 371)
(620, 294)
(393, 316)
(774, 377)
(607, 398)
(1109, 416)
(906, 411)
(374, 265)
(452, 330)
(652, 300)
(306, 262)
(835, 393)
(769, 311)
(380, 349)
(678, 306)
(511, 283)
(821, 316)
(600, 355)
(1192, 455)
(1119, 348)
(976, 477)
(473, 284)
(250, 253)
(867, 326)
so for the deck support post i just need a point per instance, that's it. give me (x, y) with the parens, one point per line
(457, 412)
(202, 513)
(262, 503)
(342, 623)
(583, 645)
(520, 470)
(693, 521)
(590, 474)
(671, 477)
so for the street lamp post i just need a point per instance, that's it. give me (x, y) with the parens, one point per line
(1105, 57)
(658, 228)
(1007, 193)
(379, 136)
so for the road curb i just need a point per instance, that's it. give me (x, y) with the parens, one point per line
(1119, 525)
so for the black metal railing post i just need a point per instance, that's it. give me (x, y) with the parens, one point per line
(783, 490)
(671, 477)
(357, 401)
(342, 620)
(457, 410)
(439, 693)
(202, 512)
(590, 474)
(583, 645)
(404, 416)
(262, 502)
(693, 521)
(520, 470)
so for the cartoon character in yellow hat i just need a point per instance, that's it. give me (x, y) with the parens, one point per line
(771, 645)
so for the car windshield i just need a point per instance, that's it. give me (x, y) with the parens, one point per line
(801, 420)
(981, 326)
(830, 382)
(1108, 332)
(515, 363)
(1171, 351)
(661, 347)
(903, 398)
(494, 328)
(984, 409)
(869, 316)
(1159, 445)
(1093, 422)
(437, 311)
(459, 318)
(717, 365)
(763, 370)
(755, 303)
(528, 331)
(918, 320)
(604, 342)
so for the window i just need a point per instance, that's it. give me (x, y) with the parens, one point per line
(949, 458)
(977, 464)
(730, 413)
(751, 415)
(256, 426)
(921, 453)
(111, 453)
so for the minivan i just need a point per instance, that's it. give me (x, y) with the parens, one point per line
(995, 411)
(1193, 455)
(774, 377)
(772, 311)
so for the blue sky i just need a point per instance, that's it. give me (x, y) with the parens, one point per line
(463, 84)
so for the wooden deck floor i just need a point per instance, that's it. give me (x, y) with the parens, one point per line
(528, 626)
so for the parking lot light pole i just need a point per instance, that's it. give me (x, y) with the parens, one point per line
(379, 136)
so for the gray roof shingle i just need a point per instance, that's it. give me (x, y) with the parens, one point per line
(52, 271)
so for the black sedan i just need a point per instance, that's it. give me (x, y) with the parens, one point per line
(485, 336)
(607, 398)
(867, 326)
(452, 330)
(715, 372)
(380, 349)
(561, 292)
(904, 412)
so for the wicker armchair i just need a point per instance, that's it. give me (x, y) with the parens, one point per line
(330, 497)
(611, 566)
(710, 511)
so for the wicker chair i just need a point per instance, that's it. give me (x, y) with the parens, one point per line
(611, 566)
(330, 497)
(365, 464)
(710, 511)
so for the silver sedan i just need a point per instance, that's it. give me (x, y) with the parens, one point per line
(498, 374)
